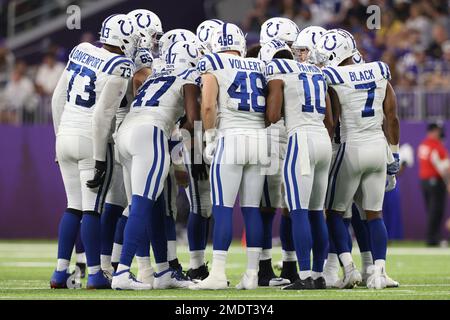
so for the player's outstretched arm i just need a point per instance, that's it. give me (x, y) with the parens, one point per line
(191, 106)
(328, 121)
(210, 91)
(274, 101)
(335, 105)
(59, 99)
(391, 117)
(104, 113)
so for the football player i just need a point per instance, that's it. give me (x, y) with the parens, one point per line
(363, 96)
(306, 165)
(236, 140)
(142, 140)
(147, 27)
(287, 31)
(83, 107)
(303, 46)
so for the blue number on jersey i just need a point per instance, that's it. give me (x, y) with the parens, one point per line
(316, 79)
(368, 107)
(154, 100)
(240, 82)
(83, 71)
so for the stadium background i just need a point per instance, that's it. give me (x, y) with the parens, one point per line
(413, 40)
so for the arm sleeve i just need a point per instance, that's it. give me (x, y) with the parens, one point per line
(104, 113)
(59, 99)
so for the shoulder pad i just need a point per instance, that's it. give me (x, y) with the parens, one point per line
(332, 76)
(209, 63)
(120, 66)
(384, 68)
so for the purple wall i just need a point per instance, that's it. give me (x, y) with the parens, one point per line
(32, 195)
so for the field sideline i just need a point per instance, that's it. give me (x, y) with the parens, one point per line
(423, 273)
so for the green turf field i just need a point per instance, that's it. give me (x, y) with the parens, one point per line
(423, 273)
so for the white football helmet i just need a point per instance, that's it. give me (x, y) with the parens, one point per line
(307, 39)
(149, 27)
(229, 37)
(334, 47)
(117, 30)
(357, 58)
(182, 53)
(204, 32)
(278, 28)
(269, 50)
(172, 36)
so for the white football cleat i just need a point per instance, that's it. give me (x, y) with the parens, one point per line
(169, 279)
(277, 282)
(212, 282)
(391, 283)
(249, 281)
(146, 276)
(377, 279)
(352, 277)
(125, 280)
(332, 278)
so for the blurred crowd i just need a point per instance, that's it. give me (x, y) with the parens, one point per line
(413, 36)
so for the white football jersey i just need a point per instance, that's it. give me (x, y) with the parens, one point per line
(87, 72)
(143, 60)
(361, 89)
(159, 100)
(304, 93)
(241, 101)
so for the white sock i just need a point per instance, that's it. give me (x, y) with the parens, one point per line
(366, 259)
(94, 269)
(62, 264)
(332, 262)
(346, 259)
(171, 250)
(253, 255)
(316, 275)
(304, 274)
(81, 257)
(218, 262)
(381, 263)
(105, 262)
(266, 254)
(122, 267)
(162, 266)
(116, 252)
(143, 263)
(196, 259)
(288, 255)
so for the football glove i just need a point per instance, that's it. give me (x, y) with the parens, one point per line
(394, 167)
(99, 176)
(210, 149)
(391, 182)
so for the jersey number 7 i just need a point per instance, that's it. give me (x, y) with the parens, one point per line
(368, 107)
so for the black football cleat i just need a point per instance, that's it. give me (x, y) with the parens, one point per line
(82, 269)
(289, 271)
(200, 273)
(266, 276)
(307, 284)
(320, 283)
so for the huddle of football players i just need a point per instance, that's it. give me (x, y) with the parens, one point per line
(298, 123)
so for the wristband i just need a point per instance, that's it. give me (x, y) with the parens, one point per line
(395, 148)
(210, 135)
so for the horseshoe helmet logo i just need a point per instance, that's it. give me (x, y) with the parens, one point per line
(201, 32)
(122, 27)
(143, 25)
(269, 25)
(188, 49)
(330, 48)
